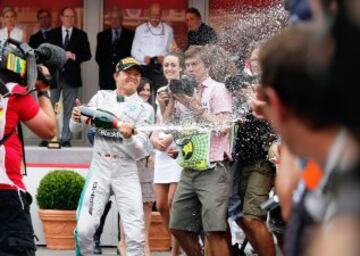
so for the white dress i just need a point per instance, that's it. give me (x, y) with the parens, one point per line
(166, 170)
(16, 33)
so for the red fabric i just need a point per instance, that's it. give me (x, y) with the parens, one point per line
(20, 108)
(312, 175)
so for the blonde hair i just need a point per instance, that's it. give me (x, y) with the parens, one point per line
(8, 9)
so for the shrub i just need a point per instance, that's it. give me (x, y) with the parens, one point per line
(60, 190)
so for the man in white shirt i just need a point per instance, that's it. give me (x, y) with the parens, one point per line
(151, 43)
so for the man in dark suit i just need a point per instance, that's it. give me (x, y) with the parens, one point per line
(77, 47)
(44, 19)
(113, 44)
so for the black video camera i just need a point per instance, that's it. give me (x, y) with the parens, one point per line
(18, 61)
(185, 85)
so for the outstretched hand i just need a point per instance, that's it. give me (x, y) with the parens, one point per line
(75, 114)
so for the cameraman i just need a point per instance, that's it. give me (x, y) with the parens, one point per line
(252, 141)
(16, 231)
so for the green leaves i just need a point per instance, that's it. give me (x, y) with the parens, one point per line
(60, 190)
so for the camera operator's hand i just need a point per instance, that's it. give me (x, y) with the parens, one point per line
(75, 114)
(70, 55)
(43, 84)
(191, 103)
(166, 102)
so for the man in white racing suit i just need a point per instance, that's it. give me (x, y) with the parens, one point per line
(113, 167)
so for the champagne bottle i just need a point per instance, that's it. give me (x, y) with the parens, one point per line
(100, 118)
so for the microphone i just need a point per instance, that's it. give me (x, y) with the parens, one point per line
(50, 55)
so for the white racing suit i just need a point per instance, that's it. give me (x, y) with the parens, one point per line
(113, 169)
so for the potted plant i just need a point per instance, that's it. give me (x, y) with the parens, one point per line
(57, 196)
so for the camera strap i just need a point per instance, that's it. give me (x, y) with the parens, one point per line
(4, 91)
(6, 137)
(21, 137)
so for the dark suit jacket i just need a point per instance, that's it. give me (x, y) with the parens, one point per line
(79, 45)
(107, 55)
(37, 39)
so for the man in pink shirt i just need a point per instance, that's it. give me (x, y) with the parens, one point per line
(202, 196)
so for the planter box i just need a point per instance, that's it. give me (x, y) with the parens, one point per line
(59, 228)
(159, 239)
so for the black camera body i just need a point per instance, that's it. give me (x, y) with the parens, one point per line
(184, 85)
(240, 81)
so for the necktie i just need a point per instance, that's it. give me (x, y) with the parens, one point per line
(116, 37)
(44, 34)
(67, 38)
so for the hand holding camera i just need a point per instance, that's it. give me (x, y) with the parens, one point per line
(44, 79)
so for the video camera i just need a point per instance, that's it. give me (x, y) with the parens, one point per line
(185, 85)
(18, 61)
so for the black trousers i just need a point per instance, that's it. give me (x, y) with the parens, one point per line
(16, 230)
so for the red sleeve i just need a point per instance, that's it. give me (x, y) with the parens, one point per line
(26, 106)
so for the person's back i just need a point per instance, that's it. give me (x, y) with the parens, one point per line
(20, 106)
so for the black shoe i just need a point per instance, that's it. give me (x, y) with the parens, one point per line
(43, 143)
(66, 144)
(97, 247)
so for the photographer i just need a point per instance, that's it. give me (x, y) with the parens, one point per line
(253, 138)
(16, 231)
(210, 103)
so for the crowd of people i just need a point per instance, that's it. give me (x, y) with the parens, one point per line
(286, 122)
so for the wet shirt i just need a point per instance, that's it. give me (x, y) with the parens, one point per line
(216, 100)
(252, 140)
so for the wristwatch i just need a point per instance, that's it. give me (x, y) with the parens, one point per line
(43, 93)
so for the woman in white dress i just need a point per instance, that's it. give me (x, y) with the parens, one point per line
(9, 25)
(166, 172)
